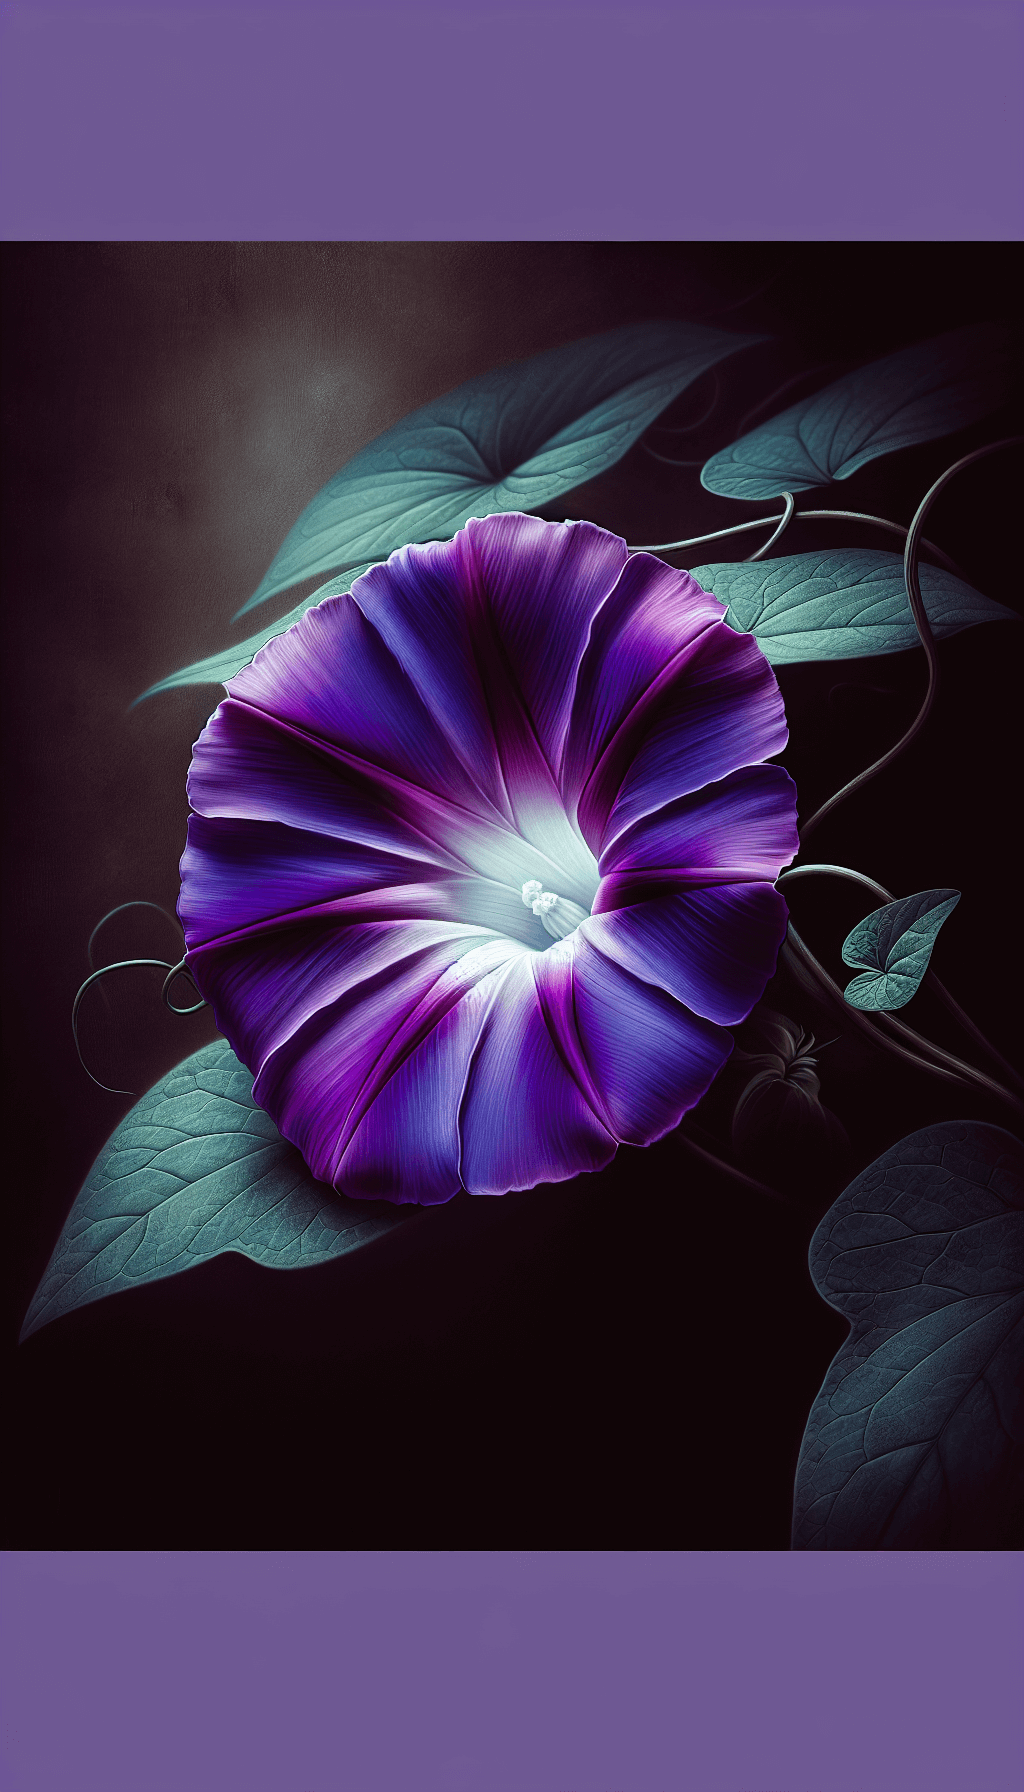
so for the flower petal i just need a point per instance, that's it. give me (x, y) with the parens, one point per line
(246, 765)
(544, 583)
(407, 1145)
(718, 709)
(647, 628)
(263, 990)
(244, 880)
(490, 628)
(332, 677)
(650, 1056)
(240, 874)
(742, 829)
(323, 1078)
(495, 620)
(712, 949)
(250, 763)
(525, 1118)
(385, 780)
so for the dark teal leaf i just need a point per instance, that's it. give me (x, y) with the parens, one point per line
(917, 1436)
(842, 605)
(511, 439)
(915, 395)
(893, 946)
(197, 1168)
(219, 667)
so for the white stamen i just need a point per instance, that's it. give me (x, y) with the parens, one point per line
(558, 915)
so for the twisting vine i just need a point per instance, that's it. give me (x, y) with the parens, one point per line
(911, 554)
(130, 964)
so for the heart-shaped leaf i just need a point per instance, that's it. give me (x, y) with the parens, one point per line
(893, 946)
(915, 395)
(219, 667)
(197, 1168)
(915, 1440)
(511, 439)
(843, 605)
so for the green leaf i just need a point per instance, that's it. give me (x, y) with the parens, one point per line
(913, 396)
(846, 604)
(219, 667)
(194, 1169)
(893, 945)
(915, 1439)
(511, 439)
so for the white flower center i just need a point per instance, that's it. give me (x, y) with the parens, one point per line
(557, 914)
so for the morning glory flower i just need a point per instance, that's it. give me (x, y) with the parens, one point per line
(481, 861)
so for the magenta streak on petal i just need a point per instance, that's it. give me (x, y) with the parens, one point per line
(483, 843)
(473, 661)
(524, 1119)
(711, 949)
(454, 982)
(334, 679)
(532, 792)
(652, 1057)
(554, 974)
(406, 1144)
(653, 617)
(247, 767)
(241, 874)
(534, 586)
(729, 714)
(605, 778)
(742, 828)
(320, 1081)
(453, 901)
(406, 799)
(543, 589)
(262, 991)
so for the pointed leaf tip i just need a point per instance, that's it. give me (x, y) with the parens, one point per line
(219, 667)
(196, 1168)
(848, 603)
(915, 395)
(893, 946)
(513, 438)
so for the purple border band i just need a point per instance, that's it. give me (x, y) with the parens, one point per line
(509, 1671)
(403, 119)
(512, 1671)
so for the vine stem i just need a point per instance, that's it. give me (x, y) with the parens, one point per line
(796, 516)
(785, 518)
(669, 460)
(178, 970)
(932, 982)
(758, 1188)
(685, 429)
(911, 555)
(796, 951)
(882, 522)
(111, 912)
(122, 964)
(127, 964)
(795, 379)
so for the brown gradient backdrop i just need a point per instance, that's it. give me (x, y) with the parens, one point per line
(624, 1361)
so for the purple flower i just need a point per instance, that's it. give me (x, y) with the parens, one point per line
(482, 860)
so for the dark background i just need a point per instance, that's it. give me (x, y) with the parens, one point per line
(622, 1361)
